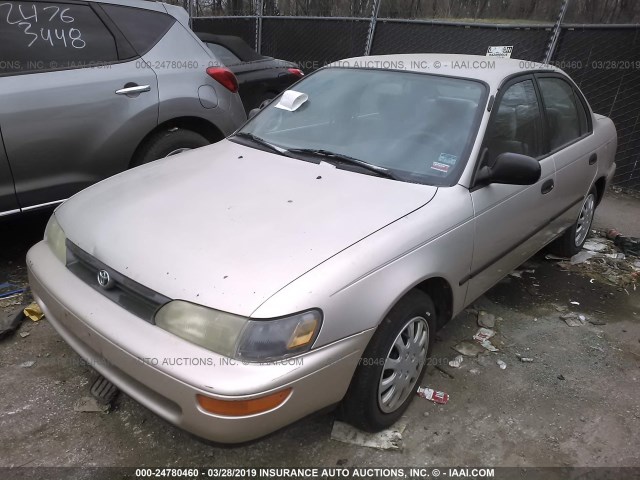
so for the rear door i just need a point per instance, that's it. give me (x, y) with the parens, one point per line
(512, 221)
(571, 143)
(8, 201)
(65, 118)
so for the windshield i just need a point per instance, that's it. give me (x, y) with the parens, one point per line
(418, 127)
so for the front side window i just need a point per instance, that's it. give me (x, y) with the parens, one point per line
(42, 36)
(516, 126)
(417, 126)
(566, 121)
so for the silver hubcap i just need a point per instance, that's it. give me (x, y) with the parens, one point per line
(403, 364)
(585, 219)
(176, 151)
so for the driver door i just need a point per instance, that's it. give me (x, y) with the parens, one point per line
(512, 222)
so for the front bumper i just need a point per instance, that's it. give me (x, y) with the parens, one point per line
(164, 373)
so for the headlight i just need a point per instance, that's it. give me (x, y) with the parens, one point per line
(55, 237)
(274, 339)
(239, 337)
(211, 329)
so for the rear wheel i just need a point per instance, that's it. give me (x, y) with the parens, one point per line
(167, 143)
(266, 99)
(573, 239)
(392, 365)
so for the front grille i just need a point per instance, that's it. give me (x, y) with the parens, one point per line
(130, 295)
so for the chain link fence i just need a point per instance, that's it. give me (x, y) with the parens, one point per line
(605, 63)
(596, 41)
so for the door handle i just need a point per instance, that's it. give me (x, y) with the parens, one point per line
(133, 89)
(547, 186)
(593, 158)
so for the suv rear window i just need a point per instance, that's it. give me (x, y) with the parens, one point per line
(143, 28)
(37, 37)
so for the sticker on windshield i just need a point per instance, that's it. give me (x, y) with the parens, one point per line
(448, 159)
(292, 100)
(440, 167)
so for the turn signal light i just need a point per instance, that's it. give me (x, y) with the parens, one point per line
(241, 408)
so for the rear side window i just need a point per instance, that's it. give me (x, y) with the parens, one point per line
(143, 28)
(225, 55)
(566, 119)
(42, 36)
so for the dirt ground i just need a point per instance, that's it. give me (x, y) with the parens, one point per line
(576, 404)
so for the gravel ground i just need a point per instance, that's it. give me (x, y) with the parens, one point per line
(576, 404)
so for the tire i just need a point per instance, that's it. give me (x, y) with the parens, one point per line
(364, 406)
(573, 239)
(168, 142)
(266, 99)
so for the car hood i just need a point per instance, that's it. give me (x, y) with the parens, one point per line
(227, 225)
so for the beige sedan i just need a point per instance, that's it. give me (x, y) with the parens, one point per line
(307, 260)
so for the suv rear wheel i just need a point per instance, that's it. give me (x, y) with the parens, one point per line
(166, 143)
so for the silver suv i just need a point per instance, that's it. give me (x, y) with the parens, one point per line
(91, 88)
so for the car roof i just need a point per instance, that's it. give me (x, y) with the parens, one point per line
(130, 3)
(157, 6)
(176, 11)
(492, 70)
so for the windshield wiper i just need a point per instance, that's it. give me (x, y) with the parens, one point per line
(342, 158)
(262, 141)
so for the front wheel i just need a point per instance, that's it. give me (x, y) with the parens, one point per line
(573, 239)
(392, 365)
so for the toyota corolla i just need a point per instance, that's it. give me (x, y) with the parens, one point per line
(307, 260)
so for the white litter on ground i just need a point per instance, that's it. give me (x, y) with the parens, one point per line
(456, 362)
(390, 439)
(594, 246)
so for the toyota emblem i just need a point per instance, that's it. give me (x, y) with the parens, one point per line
(104, 279)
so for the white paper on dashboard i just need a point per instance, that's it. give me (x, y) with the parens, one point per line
(292, 100)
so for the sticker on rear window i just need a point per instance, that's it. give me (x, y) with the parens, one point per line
(448, 159)
(440, 167)
(500, 51)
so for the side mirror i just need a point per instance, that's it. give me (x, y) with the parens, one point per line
(511, 169)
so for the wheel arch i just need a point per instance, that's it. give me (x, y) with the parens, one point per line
(441, 293)
(196, 124)
(601, 185)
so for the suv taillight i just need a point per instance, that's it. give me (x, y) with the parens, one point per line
(296, 71)
(224, 77)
